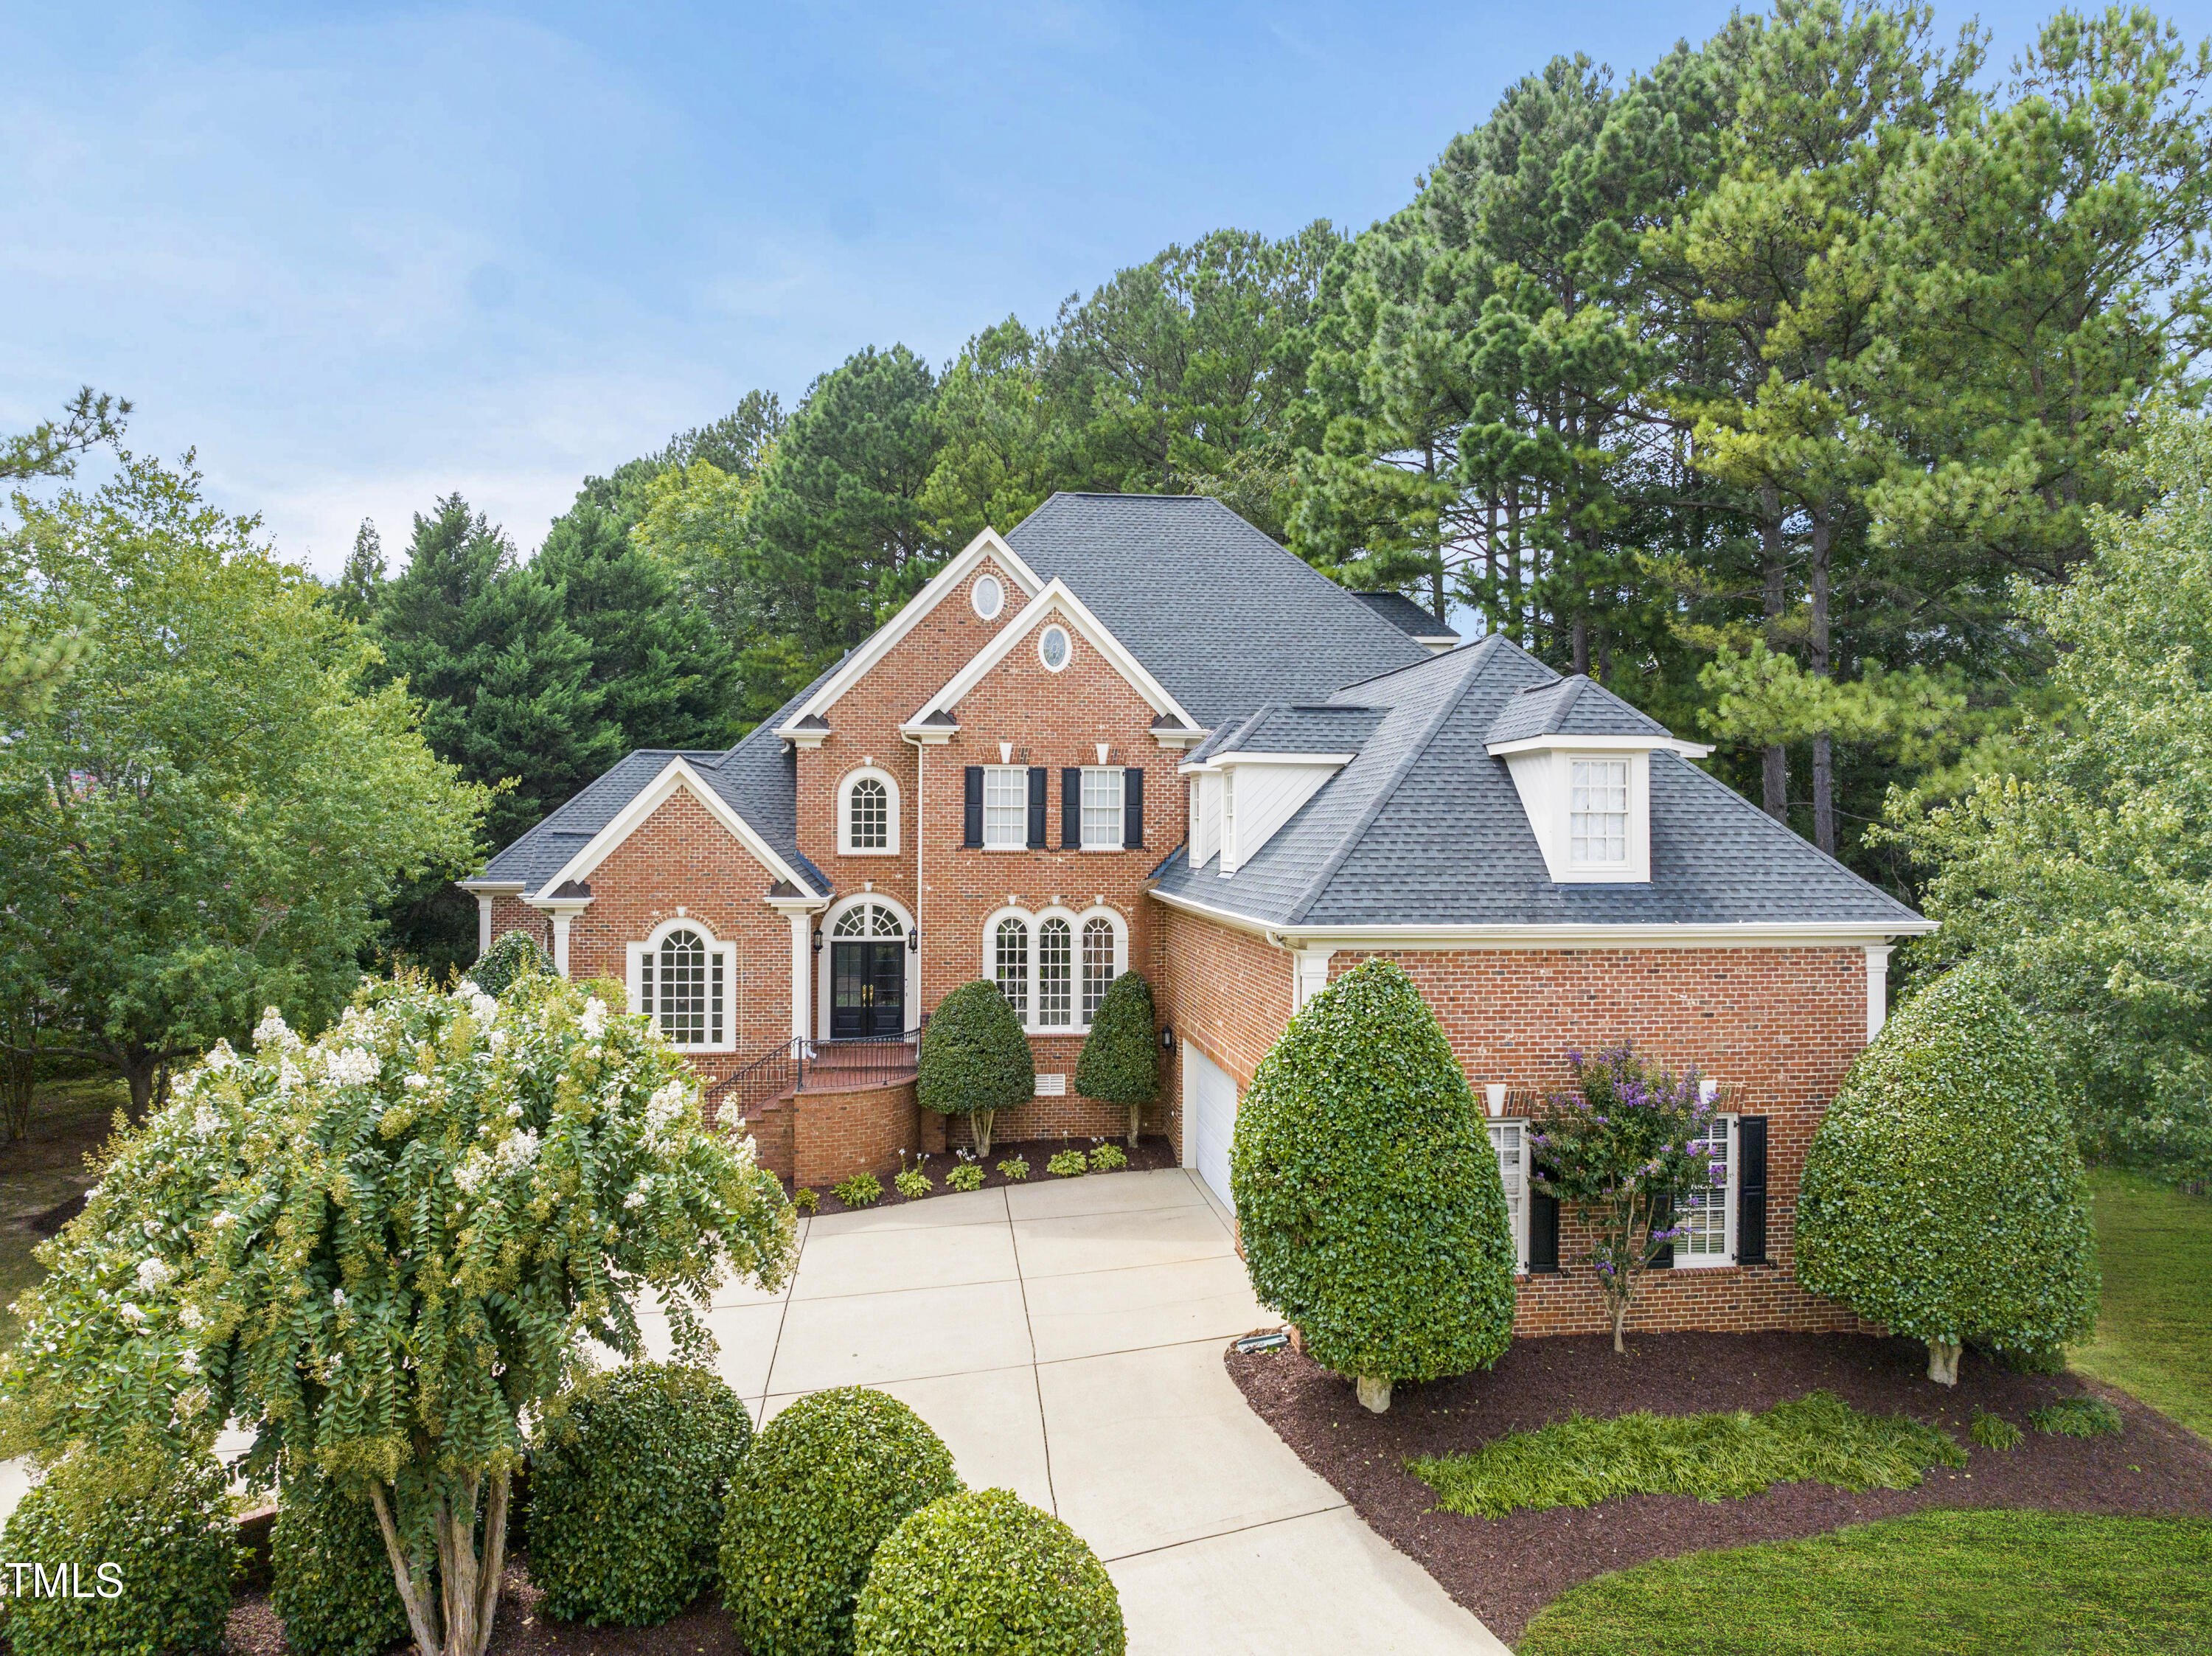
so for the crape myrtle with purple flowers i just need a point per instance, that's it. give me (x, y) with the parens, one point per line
(1620, 1150)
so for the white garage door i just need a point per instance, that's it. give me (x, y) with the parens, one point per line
(1210, 1108)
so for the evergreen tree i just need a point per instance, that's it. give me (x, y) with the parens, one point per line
(360, 589)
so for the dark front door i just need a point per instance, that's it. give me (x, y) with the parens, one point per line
(868, 989)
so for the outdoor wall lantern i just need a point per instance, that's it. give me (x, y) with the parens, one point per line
(818, 939)
(1167, 1037)
(913, 941)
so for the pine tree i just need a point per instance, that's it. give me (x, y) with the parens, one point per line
(359, 589)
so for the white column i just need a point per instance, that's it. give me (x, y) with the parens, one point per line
(1877, 959)
(1310, 975)
(560, 943)
(483, 923)
(802, 964)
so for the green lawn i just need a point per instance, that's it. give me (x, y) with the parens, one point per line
(69, 1117)
(1935, 1584)
(2154, 1333)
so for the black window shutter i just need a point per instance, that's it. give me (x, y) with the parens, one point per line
(974, 834)
(1543, 1233)
(1038, 785)
(1133, 808)
(1662, 1215)
(1070, 808)
(1751, 1190)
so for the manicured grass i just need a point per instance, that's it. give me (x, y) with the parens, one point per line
(1935, 1584)
(2154, 1246)
(1579, 1461)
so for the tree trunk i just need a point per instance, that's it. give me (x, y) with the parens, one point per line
(1774, 778)
(979, 1130)
(1620, 1322)
(1374, 1393)
(1823, 777)
(1580, 645)
(1136, 1122)
(458, 1620)
(1943, 1362)
(141, 1069)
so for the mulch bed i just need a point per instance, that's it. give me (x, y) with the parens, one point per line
(1506, 1569)
(1151, 1153)
(520, 1630)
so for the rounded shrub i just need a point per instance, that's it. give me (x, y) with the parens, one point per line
(974, 1061)
(332, 1581)
(627, 1483)
(1367, 1196)
(828, 1480)
(985, 1574)
(163, 1524)
(1119, 1063)
(514, 954)
(1943, 1194)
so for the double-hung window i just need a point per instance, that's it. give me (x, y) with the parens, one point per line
(1509, 1142)
(1102, 809)
(1597, 811)
(1707, 1216)
(1006, 807)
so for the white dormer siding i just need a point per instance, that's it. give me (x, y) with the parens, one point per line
(1545, 778)
(1239, 801)
(1205, 816)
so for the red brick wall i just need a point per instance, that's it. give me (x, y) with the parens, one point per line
(836, 1135)
(513, 914)
(1226, 991)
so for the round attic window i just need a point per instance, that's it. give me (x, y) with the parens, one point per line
(989, 598)
(1052, 647)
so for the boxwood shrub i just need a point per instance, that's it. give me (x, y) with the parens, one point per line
(1943, 1194)
(974, 1061)
(513, 955)
(164, 1523)
(330, 1577)
(985, 1574)
(627, 1483)
(829, 1478)
(1119, 1063)
(1367, 1196)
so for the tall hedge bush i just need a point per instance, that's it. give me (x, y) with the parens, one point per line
(627, 1481)
(1943, 1194)
(330, 1578)
(163, 1523)
(1367, 1196)
(512, 956)
(829, 1478)
(1119, 1063)
(975, 1060)
(985, 1574)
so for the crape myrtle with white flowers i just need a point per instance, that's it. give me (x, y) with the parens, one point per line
(381, 1249)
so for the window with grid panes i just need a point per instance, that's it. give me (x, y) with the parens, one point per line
(1097, 964)
(1509, 1142)
(680, 987)
(1597, 810)
(1006, 805)
(1010, 946)
(1056, 974)
(871, 812)
(1102, 809)
(1704, 1214)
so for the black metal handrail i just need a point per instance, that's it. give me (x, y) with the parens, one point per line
(855, 1061)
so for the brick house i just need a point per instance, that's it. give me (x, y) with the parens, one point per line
(1135, 734)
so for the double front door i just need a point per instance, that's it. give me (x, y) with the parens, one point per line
(868, 989)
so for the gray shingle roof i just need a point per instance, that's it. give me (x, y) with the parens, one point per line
(1220, 614)
(1569, 707)
(1408, 616)
(1279, 728)
(1423, 827)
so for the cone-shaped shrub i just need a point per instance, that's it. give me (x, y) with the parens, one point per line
(514, 954)
(828, 1480)
(626, 1491)
(1943, 1194)
(985, 1574)
(157, 1528)
(1119, 1063)
(975, 1060)
(330, 1578)
(1367, 1196)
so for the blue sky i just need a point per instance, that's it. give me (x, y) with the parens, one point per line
(361, 255)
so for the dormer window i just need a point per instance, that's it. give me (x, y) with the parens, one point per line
(1597, 812)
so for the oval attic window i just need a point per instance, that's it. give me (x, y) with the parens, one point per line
(1052, 648)
(989, 597)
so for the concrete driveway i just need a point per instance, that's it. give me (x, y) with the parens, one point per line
(1064, 1337)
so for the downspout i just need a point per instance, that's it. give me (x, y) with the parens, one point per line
(918, 887)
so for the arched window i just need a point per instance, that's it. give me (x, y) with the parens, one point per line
(1098, 941)
(1056, 974)
(867, 813)
(867, 921)
(1009, 945)
(681, 983)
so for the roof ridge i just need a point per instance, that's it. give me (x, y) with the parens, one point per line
(1346, 843)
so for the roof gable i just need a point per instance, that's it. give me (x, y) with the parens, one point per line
(1054, 602)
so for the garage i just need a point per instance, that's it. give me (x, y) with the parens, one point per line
(1210, 1107)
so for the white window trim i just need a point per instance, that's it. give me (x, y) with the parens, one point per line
(1067, 655)
(1521, 1223)
(1021, 841)
(638, 953)
(1121, 807)
(845, 783)
(1627, 813)
(975, 596)
(1683, 1259)
(1035, 920)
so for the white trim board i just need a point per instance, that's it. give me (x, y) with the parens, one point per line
(677, 774)
(1055, 599)
(880, 643)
